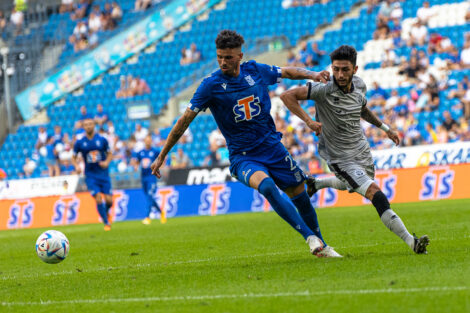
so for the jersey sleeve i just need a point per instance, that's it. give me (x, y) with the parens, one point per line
(270, 74)
(201, 97)
(316, 91)
(106, 145)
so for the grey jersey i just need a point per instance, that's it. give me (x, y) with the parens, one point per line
(342, 137)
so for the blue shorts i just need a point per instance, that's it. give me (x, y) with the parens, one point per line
(274, 160)
(97, 185)
(149, 185)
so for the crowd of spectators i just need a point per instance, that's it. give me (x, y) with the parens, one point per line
(300, 3)
(132, 86)
(91, 20)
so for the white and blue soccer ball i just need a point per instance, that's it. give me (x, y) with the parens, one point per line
(52, 246)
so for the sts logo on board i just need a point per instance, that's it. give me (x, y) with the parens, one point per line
(259, 204)
(65, 210)
(21, 214)
(119, 209)
(437, 183)
(167, 199)
(215, 199)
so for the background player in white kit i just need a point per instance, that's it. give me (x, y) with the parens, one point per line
(340, 104)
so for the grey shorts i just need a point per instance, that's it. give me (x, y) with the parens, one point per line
(354, 173)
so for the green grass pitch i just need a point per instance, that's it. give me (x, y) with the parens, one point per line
(250, 262)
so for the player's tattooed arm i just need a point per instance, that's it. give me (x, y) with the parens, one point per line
(175, 134)
(369, 116)
(291, 99)
(302, 73)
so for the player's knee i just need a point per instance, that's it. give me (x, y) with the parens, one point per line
(98, 198)
(372, 190)
(380, 202)
(366, 188)
(267, 187)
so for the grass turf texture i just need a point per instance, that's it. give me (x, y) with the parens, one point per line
(250, 262)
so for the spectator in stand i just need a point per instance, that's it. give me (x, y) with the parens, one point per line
(411, 69)
(216, 139)
(383, 30)
(66, 167)
(141, 86)
(51, 158)
(418, 34)
(184, 58)
(101, 117)
(192, 54)
(431, 135)
(79, 30)
(139, 134)
(17, 20)
(157, 139)
(465, 55)
(28, 168)
(66, 6)
(389, 58)
(317, 54)
(3, 22)
(371, 4)
(425, 13)
(442, 135)
(448, 122)
(58, 136)
(397, 12)
(142, 5)
(78, 131)
(466, 103)
(83, 113)
(116, 13)
(94, 20)
(385, 11)
(304, 57)
(179, 160)
(42, 138)
(187, 136)
(80, 10)
(213, 158)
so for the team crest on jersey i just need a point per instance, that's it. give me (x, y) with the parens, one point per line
(249, 80)
(215, 200)
(66, 210)
(98, 143)
(224, 85)
(247, 108)
(21, 214)
(437, 183)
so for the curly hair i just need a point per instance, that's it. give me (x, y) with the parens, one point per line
(344, 52)
(229, 39)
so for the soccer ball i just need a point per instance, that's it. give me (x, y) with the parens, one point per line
(52, 246)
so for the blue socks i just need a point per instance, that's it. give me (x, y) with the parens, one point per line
(283, 208)
(308, 214)
(103, 211)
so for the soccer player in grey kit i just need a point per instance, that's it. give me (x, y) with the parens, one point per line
(340, 104)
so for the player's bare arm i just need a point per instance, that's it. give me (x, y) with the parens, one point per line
(75, 164)
(175, 134)
(291, 99)
(370, 117)
(301, 73)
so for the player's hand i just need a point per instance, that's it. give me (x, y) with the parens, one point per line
(323, 76)
(156, 167)
(316, 127)
(104, 164)
(78, 170)
(394, 136)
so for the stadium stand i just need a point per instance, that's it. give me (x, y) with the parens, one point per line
(397, 99)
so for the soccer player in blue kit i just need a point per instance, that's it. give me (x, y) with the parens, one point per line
(96, 154)
(237, 96)
(145, 157)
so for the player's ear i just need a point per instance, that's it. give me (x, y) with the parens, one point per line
(241, 55)
(355, 69)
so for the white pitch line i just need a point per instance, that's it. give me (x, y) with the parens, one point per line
(243, 296)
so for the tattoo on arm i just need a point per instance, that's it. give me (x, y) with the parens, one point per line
(178, 130)
(370, 117)
(296, 73)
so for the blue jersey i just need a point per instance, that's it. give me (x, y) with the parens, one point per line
(93, 151)
(145, 158)
(241, 105)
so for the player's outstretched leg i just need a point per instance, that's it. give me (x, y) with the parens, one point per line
(308, 214)
(315, 184)
(393, 222)
(287, 211)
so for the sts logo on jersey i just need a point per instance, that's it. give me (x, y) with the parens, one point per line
(65, 210)
(119, 209)
(215, 200)
(246, 109)
(386, 181)
(21, 214)
(259, 204)
(167, 200)
(437, 183)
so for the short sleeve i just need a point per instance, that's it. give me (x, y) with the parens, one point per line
(201, 97)
(316, 91)
(270, 74)
(105, 145)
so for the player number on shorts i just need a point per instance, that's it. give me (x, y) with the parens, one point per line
(288, 158)
(246, 108)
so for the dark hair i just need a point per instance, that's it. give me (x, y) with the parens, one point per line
(229, 39)
(344, 52)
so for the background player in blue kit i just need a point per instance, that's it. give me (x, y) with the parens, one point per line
(144, 158)
(237, 96)
(95, 152)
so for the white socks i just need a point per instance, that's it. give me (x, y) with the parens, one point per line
(395, 224)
